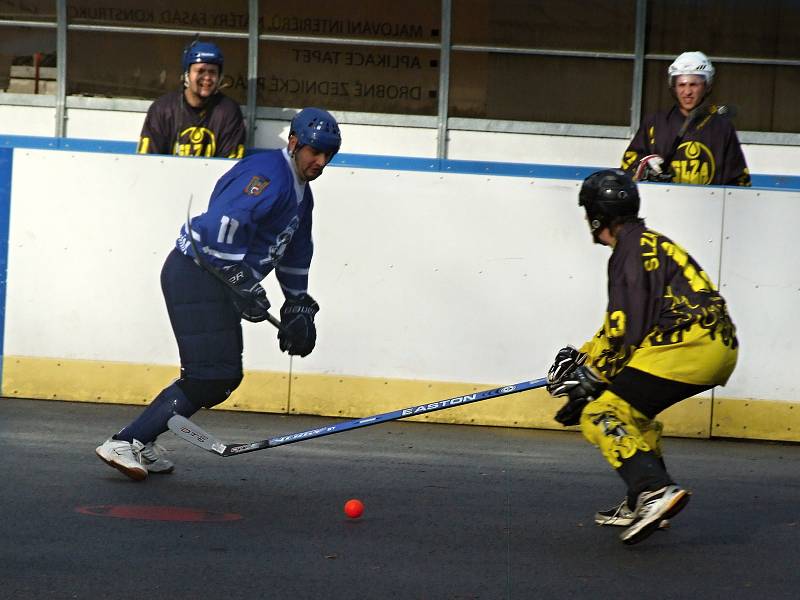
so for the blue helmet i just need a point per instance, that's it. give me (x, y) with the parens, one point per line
(202, 52)
(318, 129)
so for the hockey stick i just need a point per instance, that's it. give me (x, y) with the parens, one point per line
(213, 270)
(184, 428)
(725, 111)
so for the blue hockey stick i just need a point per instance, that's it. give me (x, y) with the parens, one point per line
(184, 428)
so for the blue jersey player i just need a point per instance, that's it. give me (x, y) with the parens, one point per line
(258, 220)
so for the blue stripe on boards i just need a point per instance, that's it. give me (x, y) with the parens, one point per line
(78, 145)
(390, 163)
(466, 167)
(6, 161)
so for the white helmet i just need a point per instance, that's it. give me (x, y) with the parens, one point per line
(691, 63)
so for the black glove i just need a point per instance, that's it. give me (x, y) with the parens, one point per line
(582, 386)
(298, 334)
(566, 361)
(249, 298)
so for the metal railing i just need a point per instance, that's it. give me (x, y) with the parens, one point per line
(442, 122)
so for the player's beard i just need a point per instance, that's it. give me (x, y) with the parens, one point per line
(201, 94)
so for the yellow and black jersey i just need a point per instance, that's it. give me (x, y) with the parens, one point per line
(172, 126)
(660, 300)
(708, 153)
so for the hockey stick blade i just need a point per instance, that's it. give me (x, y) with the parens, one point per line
(184, 428)
(209, 268)
(189, 431)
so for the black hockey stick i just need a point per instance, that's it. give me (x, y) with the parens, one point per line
(211, 269)
(184, 428)
(697, 113)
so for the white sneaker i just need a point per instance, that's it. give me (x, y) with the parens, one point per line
(621, 515)
(651, 509)
(153, 459)
(123, 456)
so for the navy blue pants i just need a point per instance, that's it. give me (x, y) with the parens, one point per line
(207, 326)
(209, 334)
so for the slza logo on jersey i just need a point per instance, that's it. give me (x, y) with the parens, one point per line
(696, 167)
(257, 185)
(196, 141)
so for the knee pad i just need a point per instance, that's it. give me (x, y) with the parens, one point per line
(205, 393)
(651, 432)
(609, 424)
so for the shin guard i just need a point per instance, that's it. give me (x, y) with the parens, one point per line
(153, 421)
(641, 472)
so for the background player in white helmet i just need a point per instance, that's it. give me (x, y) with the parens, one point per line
(197, 120)
(258, 220)
(694, 141)
(667, 336)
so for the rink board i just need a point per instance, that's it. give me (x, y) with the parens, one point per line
(431, 285)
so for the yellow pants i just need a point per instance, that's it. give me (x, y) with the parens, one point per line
(618, 429)
(612, 423)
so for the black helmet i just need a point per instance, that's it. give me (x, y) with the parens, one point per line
(608, 195)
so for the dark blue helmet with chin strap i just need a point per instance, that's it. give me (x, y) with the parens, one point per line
(202, 52)
(317, 128)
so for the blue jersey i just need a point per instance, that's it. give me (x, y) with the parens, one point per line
(259, 214)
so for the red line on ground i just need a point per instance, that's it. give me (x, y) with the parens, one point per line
(156, 513)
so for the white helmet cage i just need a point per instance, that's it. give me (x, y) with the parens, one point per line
(691, 63)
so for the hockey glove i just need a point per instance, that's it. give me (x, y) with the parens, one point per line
(298, 334)
(582, 386)
(651, 168)
(566, 361)
(248, 296)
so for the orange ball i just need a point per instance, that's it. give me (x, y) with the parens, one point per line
(354, 508)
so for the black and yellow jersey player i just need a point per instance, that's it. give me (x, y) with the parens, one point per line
(693, 142)
(667, 336)
(198, 120)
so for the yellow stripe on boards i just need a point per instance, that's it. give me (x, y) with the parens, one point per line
(126, 383)
(756, 419)
(354, 396)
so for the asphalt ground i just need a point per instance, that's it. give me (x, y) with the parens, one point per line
(451, 512)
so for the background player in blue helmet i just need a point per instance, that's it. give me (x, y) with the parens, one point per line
(667, 336)
(258, 220)
(198, 120)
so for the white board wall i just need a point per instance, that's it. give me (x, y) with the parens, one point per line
(420, 275)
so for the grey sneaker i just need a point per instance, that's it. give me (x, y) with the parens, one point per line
(620, 516)
(651, 509)
(152, 458)
(123, 456)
